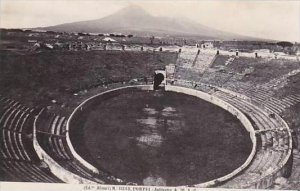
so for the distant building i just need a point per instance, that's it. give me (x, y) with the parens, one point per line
(207, 45)
(49, 46)
(279, 53)
(38, 45)
(33, 34)
(262, 50)
(108, 39)
(58, 45)
(32, 41)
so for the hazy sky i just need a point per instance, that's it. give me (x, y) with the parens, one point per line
(268, 19)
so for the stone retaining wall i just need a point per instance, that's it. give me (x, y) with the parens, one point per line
(86, 105)
(54, 167)
(234, 111)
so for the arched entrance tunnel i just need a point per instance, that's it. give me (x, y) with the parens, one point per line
(158, 79)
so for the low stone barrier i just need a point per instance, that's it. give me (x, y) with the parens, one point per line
(84, 106)
(283, 167)
(54, 167)
(244, 120)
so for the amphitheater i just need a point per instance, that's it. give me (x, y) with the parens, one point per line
(36, 145)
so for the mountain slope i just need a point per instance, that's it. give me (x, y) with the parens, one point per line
(135, 20)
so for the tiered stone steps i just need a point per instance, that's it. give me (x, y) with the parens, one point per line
(19, 161)
(265, 97)
(281, 81)
(52, 139)
(274, 143)
(215, 78)
(191, 65)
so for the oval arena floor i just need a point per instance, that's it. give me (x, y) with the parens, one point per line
(156, 136)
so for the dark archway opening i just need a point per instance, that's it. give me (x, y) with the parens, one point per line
(158, 78)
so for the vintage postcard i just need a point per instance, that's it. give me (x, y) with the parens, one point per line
(173, 95)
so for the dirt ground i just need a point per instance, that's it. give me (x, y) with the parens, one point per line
(167, 137)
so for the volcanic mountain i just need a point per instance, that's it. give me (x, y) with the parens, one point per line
(135, 20)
